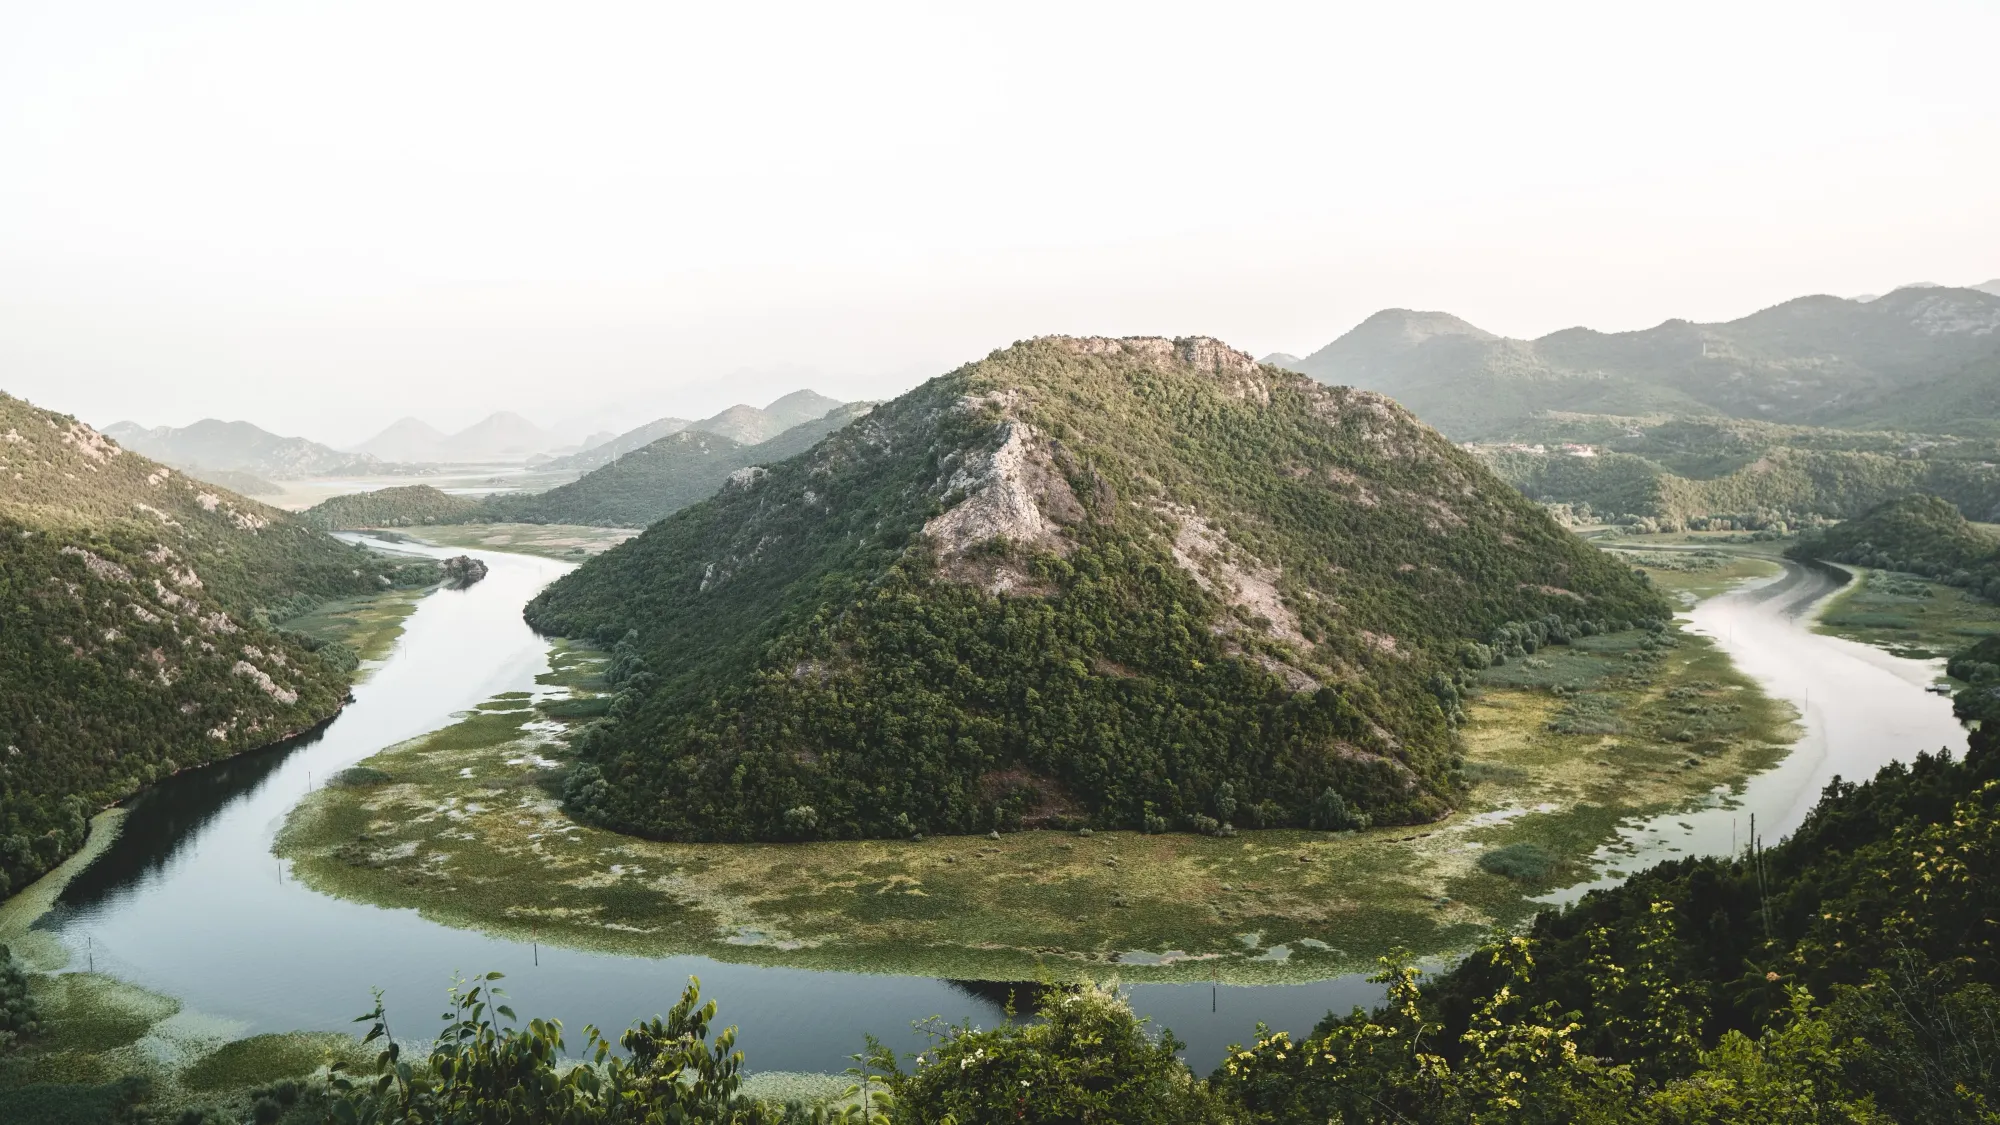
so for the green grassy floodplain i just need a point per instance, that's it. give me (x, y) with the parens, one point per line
(368, 625)
(468, 830)
(1908, 615)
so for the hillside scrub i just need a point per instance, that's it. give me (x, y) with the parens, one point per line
(139, 628)
(1123, 583)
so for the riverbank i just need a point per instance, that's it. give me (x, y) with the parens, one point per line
(465, 826)
(1908, 616)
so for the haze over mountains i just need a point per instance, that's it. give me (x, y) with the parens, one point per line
(669, 473)
(742, 424)
(244, 456)
(239, 447)
(1896, 360)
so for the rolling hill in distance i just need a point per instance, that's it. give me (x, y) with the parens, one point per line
(212, 445)
(742, 424)
(1818, 360)
(660, 478)
(136, 630)
(1117, 582)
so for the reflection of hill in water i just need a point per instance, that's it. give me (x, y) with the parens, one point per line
(160, 822)
(1022, 997)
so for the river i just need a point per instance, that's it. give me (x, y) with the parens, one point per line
(189, 900)
(1860, 709)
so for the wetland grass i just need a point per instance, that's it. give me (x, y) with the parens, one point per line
(470, 832)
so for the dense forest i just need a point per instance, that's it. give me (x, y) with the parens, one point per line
(1845, 976)
(1142, 583)
(139, 630)
(664, 476)
(405, 506)
(1917, 535)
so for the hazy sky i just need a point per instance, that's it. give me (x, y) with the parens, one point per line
(321, 216)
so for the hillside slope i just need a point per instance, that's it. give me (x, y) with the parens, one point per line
(1132, 582)
(135, 636)
(1814, 359)
(656, 480)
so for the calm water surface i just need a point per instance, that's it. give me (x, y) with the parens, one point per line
(189, 901)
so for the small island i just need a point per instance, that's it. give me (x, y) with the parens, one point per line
(461, 571)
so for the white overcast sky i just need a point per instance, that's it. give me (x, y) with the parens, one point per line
(322, 216)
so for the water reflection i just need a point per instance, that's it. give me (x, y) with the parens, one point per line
(164, 821)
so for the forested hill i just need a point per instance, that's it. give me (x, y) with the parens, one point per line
(660, 478)
(404, 506)
(1917, 534)
(134, 627)
(1136, 582)
(1892, 361)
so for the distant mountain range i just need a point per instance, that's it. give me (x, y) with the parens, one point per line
(744, 425)
(218, 448)
(1912, 354)
(504, 436)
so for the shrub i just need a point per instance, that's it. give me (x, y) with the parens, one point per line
(1087, 1059)
(359, 777)
(1329, 813)
(18, 1018)
(1524, 863)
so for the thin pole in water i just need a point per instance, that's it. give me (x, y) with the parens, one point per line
(90, 950)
